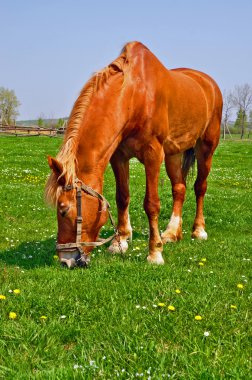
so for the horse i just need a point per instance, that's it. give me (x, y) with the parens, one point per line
(134, 107)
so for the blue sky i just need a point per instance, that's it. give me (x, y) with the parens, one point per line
(50, 48)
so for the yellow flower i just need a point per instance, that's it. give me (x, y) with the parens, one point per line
(16, 291)
(204, 259)
(201, 264)
(177, 291)
(43, 317)
(12, 315)
(56, 257)
(198, 317)
(233, 307)
(171, 308)
(240, 286)
(2, 297)
(161, 304)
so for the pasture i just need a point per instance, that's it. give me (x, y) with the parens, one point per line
(124, 318)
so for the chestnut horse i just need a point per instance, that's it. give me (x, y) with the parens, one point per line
(134, 107)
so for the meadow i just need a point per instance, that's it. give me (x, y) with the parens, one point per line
(123, 318)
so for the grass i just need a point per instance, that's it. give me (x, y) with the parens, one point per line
(105, 322)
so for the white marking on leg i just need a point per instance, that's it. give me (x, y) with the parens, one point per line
(200, 233)
(116, 248)
(174, 222)
(129, 228)
(156, 258)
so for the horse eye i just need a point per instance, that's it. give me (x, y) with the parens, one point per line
(63, 209)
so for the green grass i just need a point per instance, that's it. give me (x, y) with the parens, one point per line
(112, 328)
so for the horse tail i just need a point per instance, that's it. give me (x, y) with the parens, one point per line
(188, 162)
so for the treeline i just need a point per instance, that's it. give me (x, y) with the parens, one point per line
(239, 101)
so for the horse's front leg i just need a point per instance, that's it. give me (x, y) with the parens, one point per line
(152, 164)
(120, 167)
(173, 230)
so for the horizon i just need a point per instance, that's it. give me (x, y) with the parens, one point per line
(51, 48)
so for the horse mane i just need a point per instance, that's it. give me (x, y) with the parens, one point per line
(67, 153)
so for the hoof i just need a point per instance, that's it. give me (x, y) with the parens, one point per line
(156, 258)
(115, 248)
(199, 233)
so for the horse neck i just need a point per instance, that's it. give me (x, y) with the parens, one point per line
(101, 131)
(98, 140)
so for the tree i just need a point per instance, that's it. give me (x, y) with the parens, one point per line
(40, 122)
(9, 104)
(60, 123)
(227, 111)
(241, 121)
(242, 100)
(250, 124)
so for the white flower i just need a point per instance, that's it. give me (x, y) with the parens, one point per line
(62, 316)
(206, 333)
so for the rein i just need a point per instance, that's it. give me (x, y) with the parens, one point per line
(71, 248)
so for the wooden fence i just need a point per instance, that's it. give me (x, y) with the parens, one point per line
(21, 131)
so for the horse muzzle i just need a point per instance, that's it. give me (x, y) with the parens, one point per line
(73, 259)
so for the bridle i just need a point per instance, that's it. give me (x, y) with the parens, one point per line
(82, 259)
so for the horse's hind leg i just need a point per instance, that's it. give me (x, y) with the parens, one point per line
(173, 230)
(120, 167)
(204, 153)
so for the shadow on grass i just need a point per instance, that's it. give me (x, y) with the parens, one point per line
(34, 254)
(30, 255)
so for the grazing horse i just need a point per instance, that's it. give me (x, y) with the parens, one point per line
(134, 107)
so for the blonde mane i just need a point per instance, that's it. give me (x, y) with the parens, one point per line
(67, 154)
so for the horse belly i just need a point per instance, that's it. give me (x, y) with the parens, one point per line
(186, 124)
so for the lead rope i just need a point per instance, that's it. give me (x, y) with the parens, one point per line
(83, 257)
(117, 233)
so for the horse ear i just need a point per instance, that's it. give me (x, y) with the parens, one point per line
(57, 168)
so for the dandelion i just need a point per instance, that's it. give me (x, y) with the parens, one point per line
(2, 297)
(16, 291)
(201, 264)
(240, 286)
(204, 259)
(198, 317)
(206, 333)
(161, 304)
(56, 257)
(43, 317)
(234, 307)
(171, 308)
(12, 315)
(177, 291)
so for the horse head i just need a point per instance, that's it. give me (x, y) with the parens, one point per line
(81, 212)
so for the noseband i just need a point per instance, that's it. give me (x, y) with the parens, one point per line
(82, 259)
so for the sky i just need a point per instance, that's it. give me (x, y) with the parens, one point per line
(50, 48)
